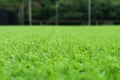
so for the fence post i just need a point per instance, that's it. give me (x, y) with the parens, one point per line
(57, 12)
(22, 11)
(30, 12)
(89, 12)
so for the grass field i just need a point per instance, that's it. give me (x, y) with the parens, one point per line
(60, 53)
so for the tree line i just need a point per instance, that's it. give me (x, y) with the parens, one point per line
(72, 10)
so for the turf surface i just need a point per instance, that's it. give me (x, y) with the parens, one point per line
(60, 53)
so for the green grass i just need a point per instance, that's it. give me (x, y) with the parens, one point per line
(60, 53)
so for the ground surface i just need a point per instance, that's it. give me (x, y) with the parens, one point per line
(60, 53)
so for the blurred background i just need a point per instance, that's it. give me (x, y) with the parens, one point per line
(64, 12)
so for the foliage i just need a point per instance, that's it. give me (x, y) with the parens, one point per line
(75, 9)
